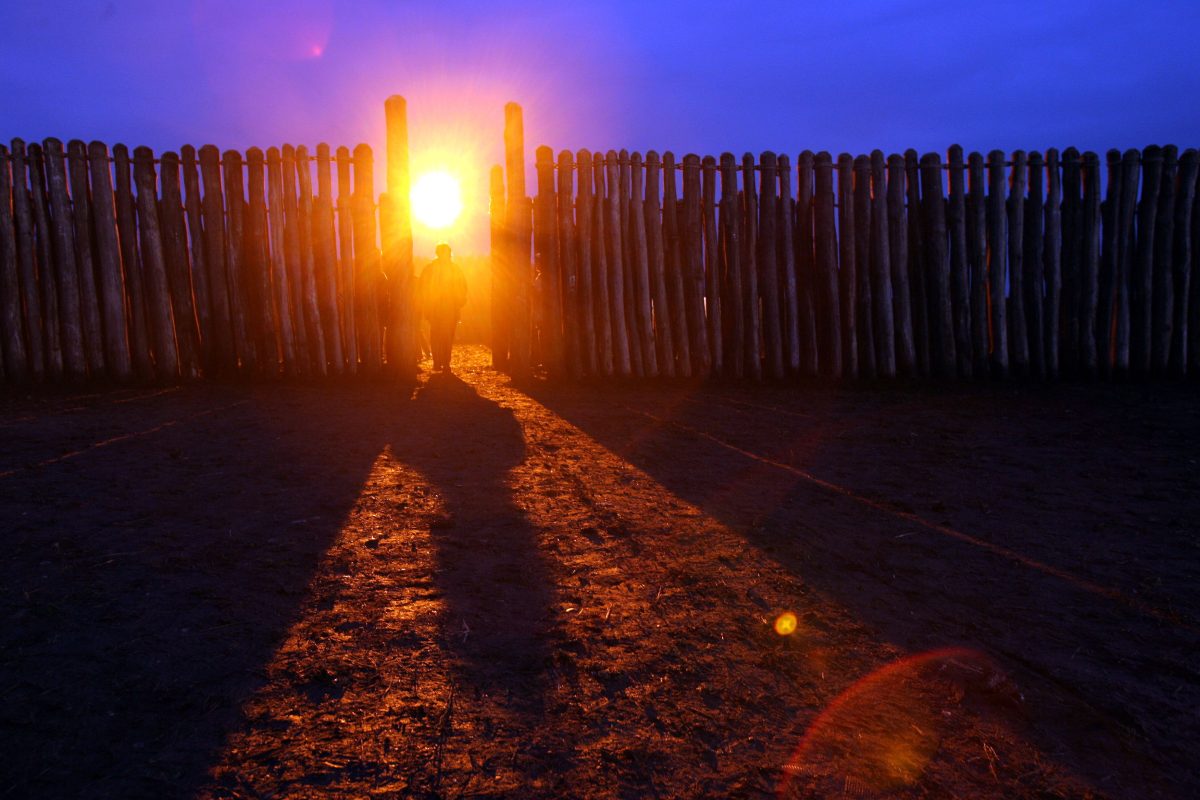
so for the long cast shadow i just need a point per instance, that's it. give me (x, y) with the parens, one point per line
(493, 577)
(921, 590)
(147, 582)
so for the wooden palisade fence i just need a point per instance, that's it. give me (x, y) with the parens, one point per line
(130, 267)
(1022, 265)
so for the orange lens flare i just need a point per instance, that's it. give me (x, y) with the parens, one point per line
(785, 624)
(881, 734)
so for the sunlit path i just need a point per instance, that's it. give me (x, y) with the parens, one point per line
(501, 622)
(484, 589)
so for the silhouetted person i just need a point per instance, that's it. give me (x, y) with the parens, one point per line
(443, 294)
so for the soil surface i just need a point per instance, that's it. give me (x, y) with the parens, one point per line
(474, 589)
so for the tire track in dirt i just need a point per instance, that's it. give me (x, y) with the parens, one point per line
(124, 437)
(1164, 615)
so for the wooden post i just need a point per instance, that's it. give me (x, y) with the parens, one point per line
(788, 283)
(542, 219)
(583, 226)
(553, 319)
(1130, 165)
(768, 273)
(395, 112)
(1164, 282)
(406, 315)
(389, 236)
(628, 280)
(1072, 258)
(545, 237)
(201, 292)
(942, 351)
(898, 230)
(750, 271)
(1181, 269)
(175, 260)
(1018, 338)
(735, 307)
(806, 265)
(258, 268)
(89, 297)
(1033, 261)
(1052, 266)
(501, 291)
(26, 269)
(347, 289)
(12, 334)
(325, 265)
(366, 255)
(1107, 283)
(881, 271)
(640, 250)
(694, 267)
(292, 363)
(997, 263)
(848, 270)
(519, 229)
(312, 308)
(295, 271)
(827, 268)
(960, 285)
(1090, 266)
(568, 247)
(212, 207)
(131, 260)
(977, 264)
(66, 270)
(1143, 295)
(108, 251)
(1193, 294)
(713, 305)
(47, 280)
(239, 295)
(166, 356)
(601, 268)
(862, 259)
(917, 266)
(616, 268)
(674, 269)
(663, 338)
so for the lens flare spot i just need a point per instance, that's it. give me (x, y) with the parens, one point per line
(437, 199)
(785, 624)
(881, 734)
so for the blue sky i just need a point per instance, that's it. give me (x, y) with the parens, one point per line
(687, 76)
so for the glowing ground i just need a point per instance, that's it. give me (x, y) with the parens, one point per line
(476, 590)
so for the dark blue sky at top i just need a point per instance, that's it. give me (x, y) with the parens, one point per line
(685, 76)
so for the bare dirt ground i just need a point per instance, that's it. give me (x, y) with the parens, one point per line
(472, 589)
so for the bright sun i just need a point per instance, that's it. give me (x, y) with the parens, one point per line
(436, 199)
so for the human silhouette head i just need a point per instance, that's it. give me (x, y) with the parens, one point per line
(442, 250)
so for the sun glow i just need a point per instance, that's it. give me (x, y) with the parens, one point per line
(437, 199)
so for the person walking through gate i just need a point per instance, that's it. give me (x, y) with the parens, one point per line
(443, 294)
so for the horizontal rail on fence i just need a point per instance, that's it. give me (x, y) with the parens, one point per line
(111, 160)
(756, 167)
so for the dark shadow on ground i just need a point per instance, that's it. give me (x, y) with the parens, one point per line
(146, 583)
(1112, 686)
(494, 580)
